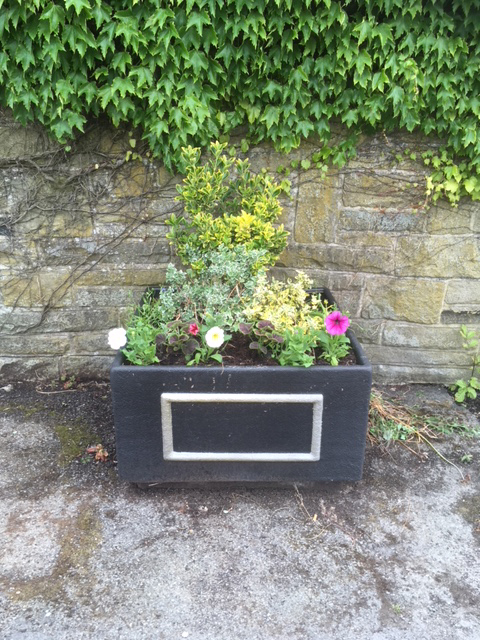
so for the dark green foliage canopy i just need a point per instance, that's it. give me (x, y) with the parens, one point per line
(189, 71)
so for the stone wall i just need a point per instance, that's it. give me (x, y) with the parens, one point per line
(82, 234)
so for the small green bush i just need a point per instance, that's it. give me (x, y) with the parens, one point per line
(225, 204)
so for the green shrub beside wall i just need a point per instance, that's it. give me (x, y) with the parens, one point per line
(189, 71)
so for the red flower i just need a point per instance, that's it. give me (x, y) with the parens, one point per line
(193, 329)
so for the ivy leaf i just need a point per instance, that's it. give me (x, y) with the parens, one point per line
(384, 33)
(378, 81)
(362, 61)
(305, 127)
(271, 116)
(144, 76)
(350, 118)
(396, 94)
(470, 184)
(78, 5)
(364, 30)
(198, 61)
(470, 136)
(55, 16)
(24, 56)
(120, 60)
(197, 20)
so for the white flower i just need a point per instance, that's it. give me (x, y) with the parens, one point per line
(117, 338)
(214, 337)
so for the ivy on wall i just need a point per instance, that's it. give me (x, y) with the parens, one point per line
(189, 71)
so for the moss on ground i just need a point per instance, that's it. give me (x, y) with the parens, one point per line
(79, 538)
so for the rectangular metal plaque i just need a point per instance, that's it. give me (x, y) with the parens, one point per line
(248, 427)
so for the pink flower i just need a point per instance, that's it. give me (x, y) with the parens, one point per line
(336, 324)
(193, 329)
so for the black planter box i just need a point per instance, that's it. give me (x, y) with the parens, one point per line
(270, 424)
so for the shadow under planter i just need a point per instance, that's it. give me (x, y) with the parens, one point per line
(265, 424)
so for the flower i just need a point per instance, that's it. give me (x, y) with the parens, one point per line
(117, 338)
(214, 337)
(336, 324)
(193, 329)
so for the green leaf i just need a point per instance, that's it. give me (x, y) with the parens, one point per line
(120, 60)
(471, 184)
(197, 20)
(198, 61)
(396, 95)
(55, 15)
(271, 116)
(379, 80)
(78, 5)
(363, 60)
(364, 30)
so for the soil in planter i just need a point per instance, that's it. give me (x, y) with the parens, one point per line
(237, 353)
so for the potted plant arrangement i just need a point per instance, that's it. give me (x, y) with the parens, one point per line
(224, 374)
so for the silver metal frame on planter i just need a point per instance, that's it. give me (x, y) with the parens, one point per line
(167, 426)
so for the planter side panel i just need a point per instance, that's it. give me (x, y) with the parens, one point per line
(138, 421)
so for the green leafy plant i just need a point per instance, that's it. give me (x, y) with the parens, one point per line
(225, 294)
(468, 388)
(215, 296)
(292, 324)
(190, 71)
(225, 204)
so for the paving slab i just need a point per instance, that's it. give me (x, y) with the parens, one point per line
(84, 555)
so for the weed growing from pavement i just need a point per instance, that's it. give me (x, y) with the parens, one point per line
(390, 423)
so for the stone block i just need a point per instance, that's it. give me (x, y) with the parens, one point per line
(390, 374)
(19, 141)
(76, 223)
(465, 293)
(460, 317)
(442, 218)
(338, 258)
(104, 228)
(382, 189)
(13, 321)
(92, 343)
(476, 219)
(35, 344)
(62, 251)
(366, 239)
(134, 179)
(40, 289)
(316, 208)
(368, 331)
(133, 275)
(90, 367)
(135, 250)
(438, 256)
(337, 281)
(412, 300)
(348, 301)
(421, 336)
(107, 296)
(85, 319)
(28, 368)
(388, 221)
(403, 356)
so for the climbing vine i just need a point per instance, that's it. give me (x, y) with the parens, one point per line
(189, 71)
